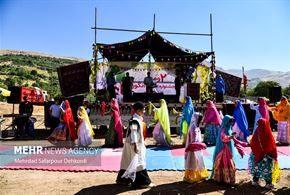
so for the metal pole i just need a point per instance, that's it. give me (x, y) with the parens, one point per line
(95, 50)
(211, 35)
(143, 31)
(95, 25)
(245, 88)
(212, 60)
(154, 23)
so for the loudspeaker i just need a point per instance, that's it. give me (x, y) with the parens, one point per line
(275, 94)
(193, 90)
(74, 79)
(15, 96)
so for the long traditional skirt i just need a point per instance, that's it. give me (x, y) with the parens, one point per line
(111, 139)
(210, 134)
(194, 167)
(84, 137)
(224, 167)
(59, 133)
(261, 169)
(283, 131)
(159, 135)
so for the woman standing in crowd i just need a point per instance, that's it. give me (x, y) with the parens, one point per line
(133, 164)
(224, 168)
(187, 114)
(85, 131)
(161, 132)
(65, 131)
(194, 165)
(261, 111)
(241, 123)
(263, 159)
(213, 121)
(114, 137)
(282, 114)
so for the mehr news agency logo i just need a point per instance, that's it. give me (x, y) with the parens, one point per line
(67, 155)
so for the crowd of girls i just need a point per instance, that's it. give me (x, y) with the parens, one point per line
(228, 134)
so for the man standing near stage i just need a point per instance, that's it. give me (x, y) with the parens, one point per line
(54, 112)
(220, 88)
(148, 81)
(177, 83)
(111, 85)
(127, 85)
(25, 125)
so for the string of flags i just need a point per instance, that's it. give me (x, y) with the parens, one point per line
(184, 58)
(120, 51)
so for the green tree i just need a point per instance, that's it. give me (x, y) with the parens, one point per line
(286, 90)
(262, 88)
(250, 92)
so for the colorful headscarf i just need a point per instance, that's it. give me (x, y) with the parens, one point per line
(219, 143)
(83, 115)
(263, 109)
(187, 113)
(263, 141)
(211, 114)
(161, 114)
(193, 140)
(69, 119)
(241, 119)
(282, 111)
(118, 123)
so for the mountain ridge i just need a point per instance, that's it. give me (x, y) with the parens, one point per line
(32, 53)
(257, 75)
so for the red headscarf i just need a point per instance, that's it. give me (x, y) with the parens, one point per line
(263, 109)
(211, 114)
(118, 123)
(69, 120)
(263, 142)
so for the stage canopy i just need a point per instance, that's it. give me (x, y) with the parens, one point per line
(161, 49)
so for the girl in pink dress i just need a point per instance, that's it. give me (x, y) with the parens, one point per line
(212, 121)
(224, 166)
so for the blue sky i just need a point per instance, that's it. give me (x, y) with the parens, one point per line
(249, 33)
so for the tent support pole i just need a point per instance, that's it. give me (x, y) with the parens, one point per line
(212, 61)
(95, 51)
(154, 22)
(143, 31)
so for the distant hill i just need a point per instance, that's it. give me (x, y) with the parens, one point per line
(32, 69)
(257, 75)
(31, 53)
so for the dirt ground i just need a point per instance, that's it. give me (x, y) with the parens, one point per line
(167, 182)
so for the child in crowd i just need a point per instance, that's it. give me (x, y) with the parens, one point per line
(187, 114)
(224, 168)
(281, 113)
(241, 123)
(133, 163)
(85, 131)
(212, 122)
(114, 136)
(263, 163)
(194, 165)
(161, 132)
